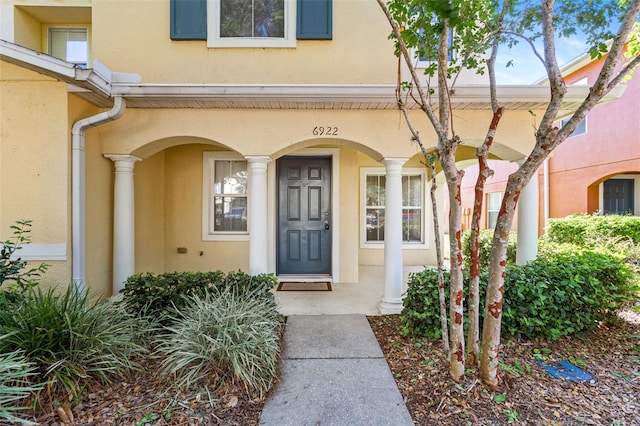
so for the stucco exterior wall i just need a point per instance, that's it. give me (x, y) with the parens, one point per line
(359, 52)
(610, 146)
(34, 164)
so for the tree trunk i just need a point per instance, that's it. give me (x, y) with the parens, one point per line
(456, 286)
(484, 172)
(497, 266)
(440, 260)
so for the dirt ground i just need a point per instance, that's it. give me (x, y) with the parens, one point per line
(528, 395)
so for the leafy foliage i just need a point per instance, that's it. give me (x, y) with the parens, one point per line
(14, 269)
(223, 330)
(469, 22)
(566, 292)
(561, 293)
(587, 230)
(69, 339)
(571, 17)
(14, 385)
(156, 294)
(484, 241)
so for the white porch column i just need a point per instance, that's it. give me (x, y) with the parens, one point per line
(123, 220)
(258, 214)
(391, 302)
(528, 222)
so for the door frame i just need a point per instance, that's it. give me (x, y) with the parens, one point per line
(334, 153)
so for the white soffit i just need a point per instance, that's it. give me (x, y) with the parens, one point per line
(99, 85)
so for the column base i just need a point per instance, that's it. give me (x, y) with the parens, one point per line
(390, 306)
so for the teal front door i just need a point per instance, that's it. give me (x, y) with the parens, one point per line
(304, 216)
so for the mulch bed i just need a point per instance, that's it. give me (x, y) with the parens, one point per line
(527, 394)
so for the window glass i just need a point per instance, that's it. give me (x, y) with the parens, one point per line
(230, 196)
(252, 18)
(412, 208)
(69, 44)
(581, 129)
(494, 200)
(251, 23)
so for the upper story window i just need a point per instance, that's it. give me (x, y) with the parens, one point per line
(251, 23)
(225, 197)
(580, 130)
(69, 44)
(373, 206)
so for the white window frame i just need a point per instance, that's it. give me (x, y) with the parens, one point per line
(209, 159)
(381, 171)
(581, 129)
(46, 47)
(489, 194)
(213, 30)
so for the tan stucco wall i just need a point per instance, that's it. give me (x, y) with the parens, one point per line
(34, 166)
(359, 52)
(149, 177)
(27, 30)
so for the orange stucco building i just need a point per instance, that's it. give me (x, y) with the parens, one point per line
(597, 169)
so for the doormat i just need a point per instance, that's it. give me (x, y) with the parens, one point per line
(304, 286)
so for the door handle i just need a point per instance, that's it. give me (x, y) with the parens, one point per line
(326, 225)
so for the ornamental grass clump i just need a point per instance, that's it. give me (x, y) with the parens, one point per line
(223, 335)
(15, 388)
(69, 339)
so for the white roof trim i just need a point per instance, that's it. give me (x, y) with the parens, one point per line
(100, 84)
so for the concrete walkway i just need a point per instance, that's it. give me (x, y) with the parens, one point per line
(333, 372)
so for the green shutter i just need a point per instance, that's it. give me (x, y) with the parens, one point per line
(188, 19)
(314, 19)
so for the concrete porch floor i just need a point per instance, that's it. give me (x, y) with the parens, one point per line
(345, 298)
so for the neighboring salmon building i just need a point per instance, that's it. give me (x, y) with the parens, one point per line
(596, 170)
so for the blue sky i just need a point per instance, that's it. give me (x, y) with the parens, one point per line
(526, 67)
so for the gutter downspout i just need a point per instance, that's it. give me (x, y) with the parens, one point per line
(78, 186)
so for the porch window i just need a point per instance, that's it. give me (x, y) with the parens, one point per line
(69, 44)
(225, 197)
(373, 195)
(494, 200)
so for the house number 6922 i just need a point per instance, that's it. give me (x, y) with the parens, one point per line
(325, 131)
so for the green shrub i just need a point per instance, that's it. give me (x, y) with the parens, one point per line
(222, 333)
(560, 293)
(484, 241)
(69, 339)
(14, 271)
(587, 230)
(14, 386)
(421, 305)
(565, 292)
(156, 294)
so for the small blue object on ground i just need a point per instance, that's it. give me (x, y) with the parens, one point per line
(566, 371)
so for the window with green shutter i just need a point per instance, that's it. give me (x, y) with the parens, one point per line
(314, 20)
(229, 28)
(188, 19)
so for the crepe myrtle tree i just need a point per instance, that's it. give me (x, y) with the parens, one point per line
(430, 29)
